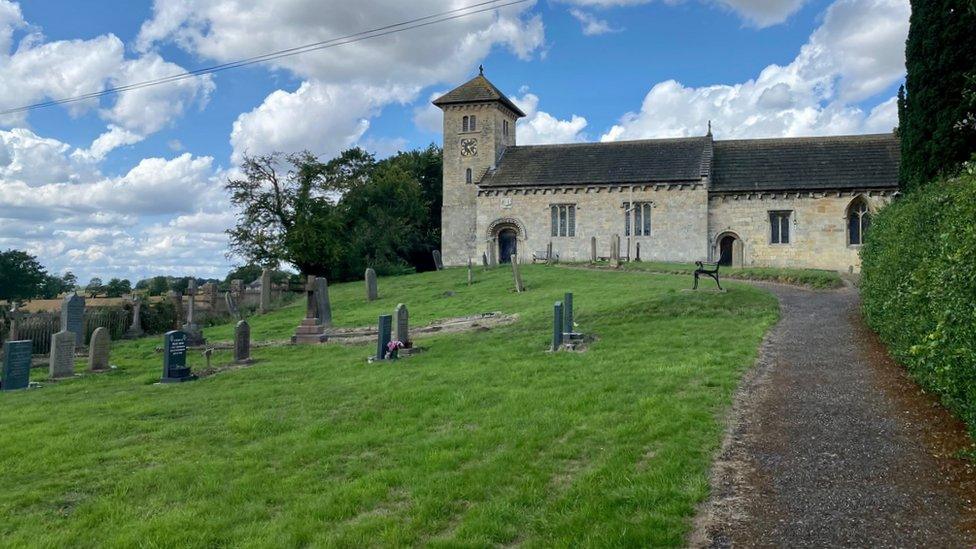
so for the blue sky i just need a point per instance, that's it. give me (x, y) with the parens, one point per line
(131, 186)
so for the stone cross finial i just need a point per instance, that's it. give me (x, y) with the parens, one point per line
(481, 70)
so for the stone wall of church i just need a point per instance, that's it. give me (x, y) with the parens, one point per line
(678, 220)
(818, 224)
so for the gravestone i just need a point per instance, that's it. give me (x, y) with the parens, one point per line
(194, 335)
(175, 369)
(73, 317)
(311, 329)
(470, 273)
(568, 313)
(231, 305)
(135, 329)
(371, 293)
(615, 250)
(323, 305)
(383, 336)
(484, 259)
(98, 348)
(242, 342)
(438, 264)
(549, 253)
(16, 365)
(593, 249)
(265, 290)
(637, 253)
(15, 318)
(557, 326)
(401, 325)
(62, 361)
(519, 287)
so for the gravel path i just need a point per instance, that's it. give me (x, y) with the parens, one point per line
(830, 444)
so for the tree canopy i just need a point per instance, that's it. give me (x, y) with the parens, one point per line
(21, 276)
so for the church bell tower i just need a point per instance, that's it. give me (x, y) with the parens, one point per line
(479, 123)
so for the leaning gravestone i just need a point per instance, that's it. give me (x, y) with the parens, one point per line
(73, 317)
(16, 365)
(98, 348)
(438, 263)
(519, 287)
(265, 290)
(323, 306)
(242, 342)
(401, 325)
(371, 292)
(62, 363)
(175, 369)
(383, 336)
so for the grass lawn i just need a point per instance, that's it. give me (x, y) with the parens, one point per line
(814, 278)
(484, 439)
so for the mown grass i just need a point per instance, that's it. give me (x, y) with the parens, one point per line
(484, 439)
(813, 278)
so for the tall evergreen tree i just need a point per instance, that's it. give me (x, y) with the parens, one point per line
(937, 109)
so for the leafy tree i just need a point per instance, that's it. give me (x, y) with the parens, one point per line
(426, 167)
(937, 107)
(57, 285)
(21, 276)
(158, 285)
(250, 273)
(118, 288)
(179, 285)
(94, 287)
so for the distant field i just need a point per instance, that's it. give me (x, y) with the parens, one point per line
(484, 439)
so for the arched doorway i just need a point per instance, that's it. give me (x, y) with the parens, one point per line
(507, 244)
(729, 250)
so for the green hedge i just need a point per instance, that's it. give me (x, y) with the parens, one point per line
(919, 287)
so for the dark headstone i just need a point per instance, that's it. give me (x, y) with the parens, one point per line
(383, 337)
(73, 316)
(62, 358)
(311, 329)
(484, 259)
(371, 291)
(16, 365)
(242, 342)
(557, 326)
(401, 325)
(637, 253)
(438, 264)
(98, 348)
(568, 313)
(323, 305)
(175, 369)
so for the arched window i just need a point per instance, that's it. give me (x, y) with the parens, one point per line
(858, 221)
(464, 124)
(467, 175)
(474, 120)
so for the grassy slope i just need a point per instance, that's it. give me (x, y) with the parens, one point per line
(484, 439)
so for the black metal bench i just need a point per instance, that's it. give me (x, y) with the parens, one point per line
(711, 270)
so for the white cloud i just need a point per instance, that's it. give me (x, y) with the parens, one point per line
(539, 128)
(759, 13)
(11, 19)
(592, 25)
(114, 138)
(856, 53)
(427, 116)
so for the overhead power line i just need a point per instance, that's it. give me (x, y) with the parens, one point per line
(419, 22)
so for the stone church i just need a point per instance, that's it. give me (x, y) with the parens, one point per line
(790, 202)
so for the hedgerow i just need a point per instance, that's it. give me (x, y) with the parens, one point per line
(919, 287)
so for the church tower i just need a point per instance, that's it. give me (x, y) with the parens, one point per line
(479, 123)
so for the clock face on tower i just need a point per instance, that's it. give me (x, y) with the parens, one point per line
(469, 147)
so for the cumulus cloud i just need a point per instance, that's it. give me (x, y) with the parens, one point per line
(857, 52)
(540, 128)
(592, 25)
(759, 13)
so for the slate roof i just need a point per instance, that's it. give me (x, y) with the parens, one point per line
(652, 160)
(477, 90)
(808, 163)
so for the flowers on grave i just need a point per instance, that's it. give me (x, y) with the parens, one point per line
(392, 348)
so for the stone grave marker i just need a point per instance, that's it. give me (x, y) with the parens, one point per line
(615, 250)
(438, 264)
(548, 253)
(401, 325)
(231, 305)
(557, 326)
(242, 342)
(637, 253)
(593, 255)
(73, 317)
(265, 290)
(519, 287)
(194, 335)
(568, 313)
(470, 273)
(371, 292)
(383, 336)
(16, 365)
(98, 348)
(175, 369)
(62, 361)
(323, 305)
(310, 330)
(135, 329)
(484, 259)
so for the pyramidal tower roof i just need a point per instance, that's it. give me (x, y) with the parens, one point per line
(477, 90)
